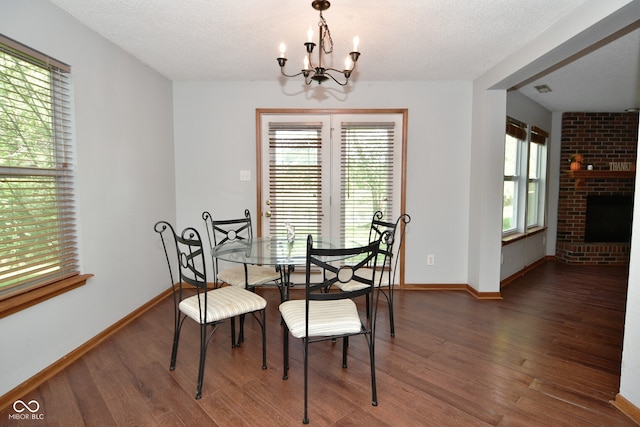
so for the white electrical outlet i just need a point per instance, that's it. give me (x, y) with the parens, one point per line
(245, 175)
(431, 260)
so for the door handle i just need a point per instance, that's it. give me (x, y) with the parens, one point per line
(267, 214)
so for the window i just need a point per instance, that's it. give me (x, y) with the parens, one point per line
(523, 204)
(511, 179)
(327, 174)
(38, 239)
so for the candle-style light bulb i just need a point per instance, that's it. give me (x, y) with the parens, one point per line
(348, 63)
(283, 48)
(356, 42)
(306, 63)
(310, 35)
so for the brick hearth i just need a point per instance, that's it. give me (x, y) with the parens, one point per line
(601, 138)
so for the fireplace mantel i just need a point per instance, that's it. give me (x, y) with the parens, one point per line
(580, 175)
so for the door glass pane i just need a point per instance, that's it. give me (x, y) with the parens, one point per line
(366, 169)
(295, 178)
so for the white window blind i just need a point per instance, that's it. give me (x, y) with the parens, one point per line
(37, 205)
(367, 181)
(295, 177)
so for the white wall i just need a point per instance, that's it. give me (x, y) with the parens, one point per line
(216, 138)
(124, 137)
(630, 376)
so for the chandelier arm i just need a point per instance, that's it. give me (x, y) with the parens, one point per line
(334, 79)
(289, 75)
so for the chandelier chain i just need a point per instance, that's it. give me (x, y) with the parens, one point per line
(326, 36)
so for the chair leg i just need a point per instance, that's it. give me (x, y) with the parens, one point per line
(345, 346)
(233, 332)
(372, 357)
(263, 324)
(285, 353)
(241, 333)
(367, 304)
(391, 322)
(176, 340)
(305, 419)
(203, 356)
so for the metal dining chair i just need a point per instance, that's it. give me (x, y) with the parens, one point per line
(194, 299)
(323, 316)
(245, 276)
(391, 236)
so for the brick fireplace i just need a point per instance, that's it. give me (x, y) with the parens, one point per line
(606, 140)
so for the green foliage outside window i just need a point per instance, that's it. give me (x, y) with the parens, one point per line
(36, 233)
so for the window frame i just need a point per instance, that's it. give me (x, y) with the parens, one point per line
(528, 139)
(261, 123)
(515, 180)
(33, 290)
(538, 180)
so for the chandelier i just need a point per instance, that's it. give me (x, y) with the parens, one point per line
(316, 71)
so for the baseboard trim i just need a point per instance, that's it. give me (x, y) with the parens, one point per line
(525, 270)
(483, 295)
(435, 287)
(627, 408)
(51, 370)
(454, 287)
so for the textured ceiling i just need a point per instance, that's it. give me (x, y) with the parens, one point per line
(403, 40)
(607, 79)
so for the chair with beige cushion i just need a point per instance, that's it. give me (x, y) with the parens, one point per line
(327, 316)
(245, 276)
(194, 299)
(391, 236)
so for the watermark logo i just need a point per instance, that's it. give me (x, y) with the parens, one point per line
(26, 411)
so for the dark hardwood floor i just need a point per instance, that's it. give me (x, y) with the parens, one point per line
(547, 354)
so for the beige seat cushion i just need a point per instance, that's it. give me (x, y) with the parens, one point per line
(257, 275)
(223, 303)
(326, 318)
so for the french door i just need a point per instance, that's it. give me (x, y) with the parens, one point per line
(326, 174)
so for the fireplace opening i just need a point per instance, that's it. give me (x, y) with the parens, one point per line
(608, 219)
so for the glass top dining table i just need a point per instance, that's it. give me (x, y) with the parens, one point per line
(276, 251)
